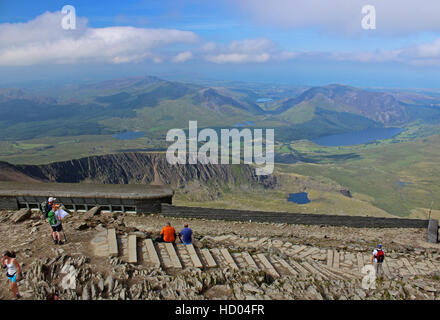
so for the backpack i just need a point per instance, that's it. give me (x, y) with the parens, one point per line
(44, 209)
(380, 256)
(52, 219)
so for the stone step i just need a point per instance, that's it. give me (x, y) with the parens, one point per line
(267, 265)
(308, 252)
(239, 260)
(249, 260)
(219, 258)
(210, 262)
(345, 274)
(360, 262)
(164, 256)
(227, 256)
(329, 258)
(100, 244)
(112, 243)
(431, 266)
(123, 247)
(299, 267)
(331, 273)
(367, 258)
(173, 255)
(132, 249)
(152, 254)
(193, 255)
(183, 255)
(386, 269)
(335, 259)
(422, 268)
(297, 249)
(286, 266)
(313, 270)
(409, 266)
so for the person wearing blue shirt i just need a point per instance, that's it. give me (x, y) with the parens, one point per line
(185, 235)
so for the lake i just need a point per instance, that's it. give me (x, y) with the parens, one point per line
(264, 100)
(357, 137)
(129, 135)
(299, 198)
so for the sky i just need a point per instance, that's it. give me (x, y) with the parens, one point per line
(300, 42)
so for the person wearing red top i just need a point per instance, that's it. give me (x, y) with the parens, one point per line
(168, 234)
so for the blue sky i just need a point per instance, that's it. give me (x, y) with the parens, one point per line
(312, 42)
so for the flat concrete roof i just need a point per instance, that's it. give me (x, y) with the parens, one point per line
(84, 190)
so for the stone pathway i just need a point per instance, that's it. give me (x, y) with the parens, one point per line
(288, 259)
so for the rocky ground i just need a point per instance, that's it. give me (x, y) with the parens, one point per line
(310, 262)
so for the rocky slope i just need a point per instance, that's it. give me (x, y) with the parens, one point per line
(124, 168)
(48, 268)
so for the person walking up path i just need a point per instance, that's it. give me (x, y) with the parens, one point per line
(377, 258)
(13, 269)
(55, 223)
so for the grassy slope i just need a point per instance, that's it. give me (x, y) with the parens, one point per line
(322, 202)
(377, 170)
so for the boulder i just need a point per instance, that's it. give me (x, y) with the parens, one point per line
(81, 226)
(139, 234)
(85, 293)
(345, 192)
(92, 212)
(21, 215)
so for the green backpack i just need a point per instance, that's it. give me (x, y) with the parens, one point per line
(52, 218)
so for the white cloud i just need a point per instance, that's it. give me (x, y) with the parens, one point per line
(425, 54)
(263, 50)
(209, 46)
(182, 57)
(344, 16)
(245, 51)
(42, 41)
(238, 57)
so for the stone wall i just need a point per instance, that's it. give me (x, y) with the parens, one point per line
(291, 218)
(8, 203)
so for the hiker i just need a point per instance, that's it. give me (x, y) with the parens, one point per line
(52, 296)
(185, 235)
(377, 258)
(55, 224)
(168, 234)
(13, 269)
(46, 207)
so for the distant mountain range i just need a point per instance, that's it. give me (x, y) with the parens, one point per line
(155, 105)
(377, 106)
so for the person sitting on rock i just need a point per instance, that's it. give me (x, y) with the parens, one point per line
(168, 234)
(55, 223)
(10, 263)
(185, 235)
